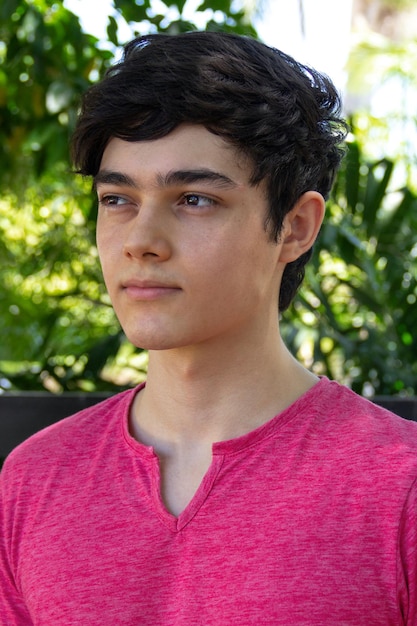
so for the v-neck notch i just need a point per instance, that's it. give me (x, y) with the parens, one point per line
(220, 450)
(178, 523)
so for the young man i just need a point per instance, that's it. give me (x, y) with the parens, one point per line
(234, 487)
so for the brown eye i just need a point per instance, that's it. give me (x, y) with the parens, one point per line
(112, 200)
(194, 199)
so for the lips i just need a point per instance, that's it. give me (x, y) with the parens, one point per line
(148, 289)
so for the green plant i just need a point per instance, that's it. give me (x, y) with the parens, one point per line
(354, 319)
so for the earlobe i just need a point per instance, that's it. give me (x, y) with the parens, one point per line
(301, 226)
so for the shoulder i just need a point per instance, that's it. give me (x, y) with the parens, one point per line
(73, 437)
(341, 403)
(361, 428)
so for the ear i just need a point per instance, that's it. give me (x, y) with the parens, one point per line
(301, 226)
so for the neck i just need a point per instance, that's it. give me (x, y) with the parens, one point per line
(216, 392)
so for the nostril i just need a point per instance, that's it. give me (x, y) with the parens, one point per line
(140, 247)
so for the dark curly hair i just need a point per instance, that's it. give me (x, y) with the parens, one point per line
(283, 115)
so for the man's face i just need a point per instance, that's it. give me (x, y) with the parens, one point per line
(181, 238)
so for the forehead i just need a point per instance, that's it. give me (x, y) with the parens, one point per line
(188, 147)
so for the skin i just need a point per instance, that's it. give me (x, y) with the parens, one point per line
(194, 278)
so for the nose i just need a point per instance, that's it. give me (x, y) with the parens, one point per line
(147, 236)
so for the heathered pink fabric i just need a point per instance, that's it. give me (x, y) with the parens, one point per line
(310, 520)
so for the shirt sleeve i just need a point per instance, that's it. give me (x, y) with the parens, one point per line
(407, 560)
(13, 611)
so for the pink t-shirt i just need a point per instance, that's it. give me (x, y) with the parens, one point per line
(309, 520)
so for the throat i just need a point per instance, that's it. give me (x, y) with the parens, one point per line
(181, 477)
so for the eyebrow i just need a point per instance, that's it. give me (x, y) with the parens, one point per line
(107, 177)
(174, 177)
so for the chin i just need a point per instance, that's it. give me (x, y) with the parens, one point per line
(145, 341)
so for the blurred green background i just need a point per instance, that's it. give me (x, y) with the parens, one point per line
(354, 319)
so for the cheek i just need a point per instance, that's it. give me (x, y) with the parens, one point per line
(107, 245)
(108, 264)
(101, 230)
(100, 240)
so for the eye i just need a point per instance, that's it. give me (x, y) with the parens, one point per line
(197, 200)
(112, 200)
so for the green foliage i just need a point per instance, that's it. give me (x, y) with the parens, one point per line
(385, 68)
(225, 15)
(46, 63)
(355, 316)
(61, 329)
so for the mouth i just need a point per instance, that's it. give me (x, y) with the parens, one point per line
(146, 290)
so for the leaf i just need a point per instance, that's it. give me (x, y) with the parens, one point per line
(112, 31)
(131, 11)
(375, 192)
(215, 5)
(352, 173)
(406, 207)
